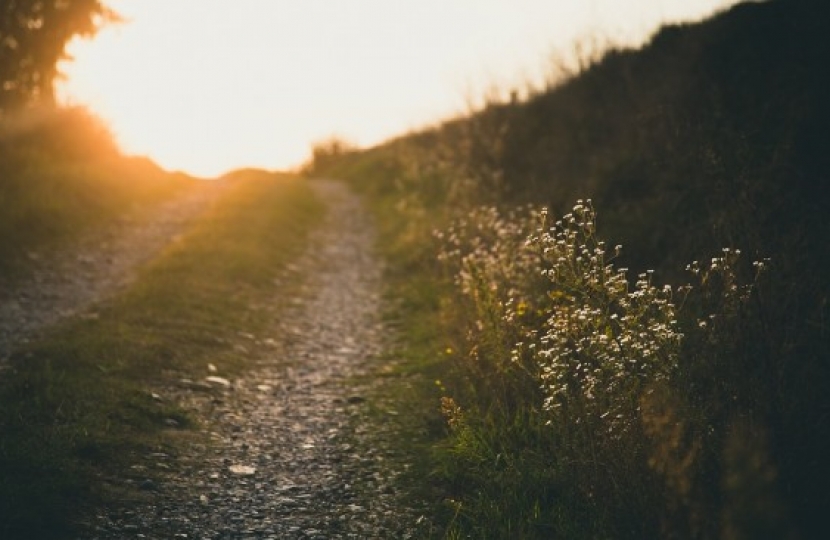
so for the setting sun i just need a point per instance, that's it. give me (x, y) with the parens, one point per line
(203, 87)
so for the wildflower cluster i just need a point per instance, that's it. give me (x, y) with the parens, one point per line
(496, 271)
(575, 357)
(592, 340)
(602, 341)
(452, 412)
(489, 251)
(549, 299)
(724, 291)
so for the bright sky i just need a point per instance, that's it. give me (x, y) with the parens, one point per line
(206, 86)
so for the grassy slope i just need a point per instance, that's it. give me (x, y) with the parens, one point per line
(711, 136)
(79, 404)
(61, 176)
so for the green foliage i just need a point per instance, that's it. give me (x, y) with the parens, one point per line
(33, 35)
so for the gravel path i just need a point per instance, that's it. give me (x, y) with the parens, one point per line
(69, 281)
(292, 454)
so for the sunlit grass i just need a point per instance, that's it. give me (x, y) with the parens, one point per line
(62, 177)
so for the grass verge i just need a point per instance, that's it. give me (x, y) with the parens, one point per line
(78, 403)
(415, 367)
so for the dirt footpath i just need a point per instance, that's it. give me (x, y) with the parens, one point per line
(291, 454)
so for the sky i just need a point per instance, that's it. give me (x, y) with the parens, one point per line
(207, 86)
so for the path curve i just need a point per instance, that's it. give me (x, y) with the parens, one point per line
(292, 455)
(67, 281)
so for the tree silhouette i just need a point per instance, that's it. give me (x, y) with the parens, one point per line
(33, 35)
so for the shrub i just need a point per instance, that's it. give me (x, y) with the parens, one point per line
(326, 152)
(602, 341)
(560, 340)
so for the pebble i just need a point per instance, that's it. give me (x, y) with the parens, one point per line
(148, 485)
(221, 381)
(242, 470)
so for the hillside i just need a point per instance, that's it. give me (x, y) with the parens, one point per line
(711, 136)
(62, 177)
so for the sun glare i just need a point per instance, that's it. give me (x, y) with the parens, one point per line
(204, 87)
